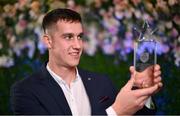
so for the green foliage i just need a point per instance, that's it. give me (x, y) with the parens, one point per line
(107, 65)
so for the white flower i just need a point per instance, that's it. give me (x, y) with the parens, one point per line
(41, 46)
(21, 26)
(172, 2)
(90, 46)
(6, 61)
(177, 57)
(108, 47)
(138, 14)
(26, 43)
(1, 45)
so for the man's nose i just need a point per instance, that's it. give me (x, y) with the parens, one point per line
(77, 43)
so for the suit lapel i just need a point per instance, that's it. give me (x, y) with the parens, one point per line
(55, 91)
(88, 82)
(96, 100)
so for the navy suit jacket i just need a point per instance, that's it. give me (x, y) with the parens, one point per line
(41, 94)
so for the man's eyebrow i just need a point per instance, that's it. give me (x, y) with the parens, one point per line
(72, 34)
(68, 34)
(81, 34)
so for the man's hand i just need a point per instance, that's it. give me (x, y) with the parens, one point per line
(142, 79)
(157, 77)
(129, 101)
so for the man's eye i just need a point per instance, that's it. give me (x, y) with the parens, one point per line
(80, 37)
(68, 37)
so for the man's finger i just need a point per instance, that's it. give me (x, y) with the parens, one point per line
(160, 85)
(157, 67)
(142, 99)
(146, 91)
(157, 73)
(129, 84)
(158, 79)
(132, 69)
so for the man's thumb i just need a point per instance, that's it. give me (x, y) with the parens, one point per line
(132, 69)
(130, 84)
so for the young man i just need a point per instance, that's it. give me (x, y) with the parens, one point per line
(59, 87)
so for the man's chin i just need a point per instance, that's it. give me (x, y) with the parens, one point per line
(74, 64)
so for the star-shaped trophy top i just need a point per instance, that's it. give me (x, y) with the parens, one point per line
(146, 33)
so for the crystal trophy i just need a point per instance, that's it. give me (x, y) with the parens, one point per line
(144, 57)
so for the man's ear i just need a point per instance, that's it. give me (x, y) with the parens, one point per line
(47, 40)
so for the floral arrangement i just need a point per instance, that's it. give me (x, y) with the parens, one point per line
(109, 25)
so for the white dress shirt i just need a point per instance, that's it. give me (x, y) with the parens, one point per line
(76, 95)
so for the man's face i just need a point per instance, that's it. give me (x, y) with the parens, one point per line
(66, 43)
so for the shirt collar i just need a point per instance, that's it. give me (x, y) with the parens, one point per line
(58, 78)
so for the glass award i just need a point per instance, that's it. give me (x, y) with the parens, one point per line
(144, 58)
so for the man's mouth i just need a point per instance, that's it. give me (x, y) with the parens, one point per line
(74, 53)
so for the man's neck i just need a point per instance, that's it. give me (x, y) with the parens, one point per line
(68, 74)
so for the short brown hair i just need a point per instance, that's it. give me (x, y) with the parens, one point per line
(55, 15)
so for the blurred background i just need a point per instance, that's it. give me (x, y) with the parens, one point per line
(109, 39)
